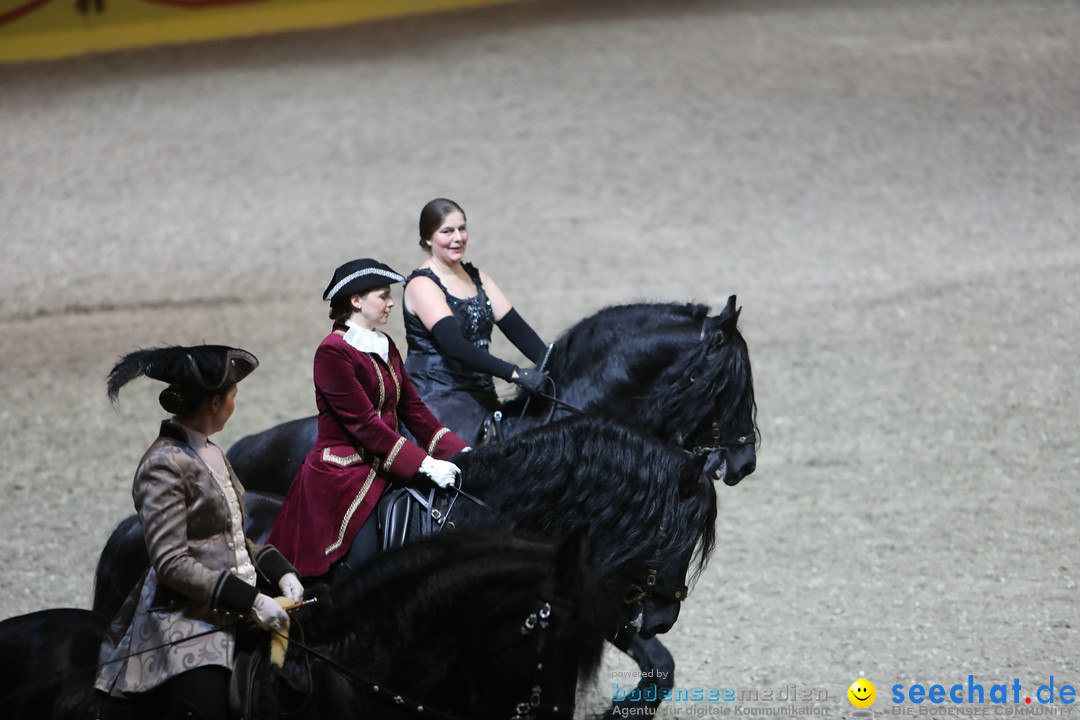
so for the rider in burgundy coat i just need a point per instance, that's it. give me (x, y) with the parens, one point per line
(362, 393)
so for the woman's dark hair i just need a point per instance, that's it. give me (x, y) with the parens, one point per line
(341, 308)
(184, 401)
(432, 216)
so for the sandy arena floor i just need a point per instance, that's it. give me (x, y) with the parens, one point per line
(889, 187)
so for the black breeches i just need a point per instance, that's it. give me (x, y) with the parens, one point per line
(366, 543)
(199, 694)
(364, 546)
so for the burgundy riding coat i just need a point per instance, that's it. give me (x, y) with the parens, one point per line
(361, 399)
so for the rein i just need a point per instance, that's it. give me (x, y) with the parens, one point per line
(560, 403)
(441, 517)
(540, 367)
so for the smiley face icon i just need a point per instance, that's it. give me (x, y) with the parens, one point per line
(862, 693)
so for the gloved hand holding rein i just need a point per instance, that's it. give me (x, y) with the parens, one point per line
(534, 381)
(267, 613)
(441, 472)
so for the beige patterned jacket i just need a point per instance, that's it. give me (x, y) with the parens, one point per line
(181, 613)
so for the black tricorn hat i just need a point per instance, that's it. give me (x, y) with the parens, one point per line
(356, 277)
(206, 367)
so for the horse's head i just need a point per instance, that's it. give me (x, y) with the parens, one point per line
(706, 398)
(672, 371)
(684, 554)
(539, 632)
(706, 395)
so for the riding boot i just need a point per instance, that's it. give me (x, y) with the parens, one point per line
(199, 694)
(364, 547)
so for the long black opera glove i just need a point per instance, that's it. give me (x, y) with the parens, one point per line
(447, 333)
(524, 337)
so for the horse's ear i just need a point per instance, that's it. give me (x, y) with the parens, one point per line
(730, 315)
(727, 320)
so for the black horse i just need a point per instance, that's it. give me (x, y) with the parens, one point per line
(671, 371)
(476, 624)
(649, 508)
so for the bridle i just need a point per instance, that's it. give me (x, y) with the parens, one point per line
(655, 588)
(719, 442)
(536, 624)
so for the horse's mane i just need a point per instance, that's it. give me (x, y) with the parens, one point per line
(712, 380)
(575, 352)
(573, 355)
(644, 501)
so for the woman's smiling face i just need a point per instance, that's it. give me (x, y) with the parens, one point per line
(449, 239)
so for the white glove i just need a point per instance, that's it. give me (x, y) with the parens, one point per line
(291, 587)
(441, 472)
(267, 614)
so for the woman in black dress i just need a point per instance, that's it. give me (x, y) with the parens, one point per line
(451, 308)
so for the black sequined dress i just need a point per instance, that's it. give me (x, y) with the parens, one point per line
(462, 398)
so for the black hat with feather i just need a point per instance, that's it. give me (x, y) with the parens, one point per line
(187, 370)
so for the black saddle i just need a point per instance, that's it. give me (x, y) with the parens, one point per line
(403, 512)
(257, 689)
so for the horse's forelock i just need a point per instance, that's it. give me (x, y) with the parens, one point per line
(738, 410)
(710, 382)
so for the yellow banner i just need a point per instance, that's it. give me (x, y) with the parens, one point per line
(48, 29)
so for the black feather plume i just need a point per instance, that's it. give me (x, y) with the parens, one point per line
(130, 367)
(156, 363)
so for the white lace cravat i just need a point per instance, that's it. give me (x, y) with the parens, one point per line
(368, 341)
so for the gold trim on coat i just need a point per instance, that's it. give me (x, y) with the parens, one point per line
(382, 388)
(394, 453)
(352, 508)
(435, 440)
(342, 460)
